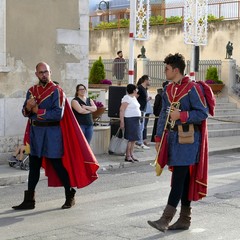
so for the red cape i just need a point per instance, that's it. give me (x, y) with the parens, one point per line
(78, 158)
(199, 171)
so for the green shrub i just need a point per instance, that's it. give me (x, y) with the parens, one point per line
(212, 18)
(97, 72)
(155, 20)
(212, 74)
(124, 22)
(174, 19)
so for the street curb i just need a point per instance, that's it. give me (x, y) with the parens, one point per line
(15, 176)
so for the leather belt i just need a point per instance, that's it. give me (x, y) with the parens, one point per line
(185, 128)
(44, 124)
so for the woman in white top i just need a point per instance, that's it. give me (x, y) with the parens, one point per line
(130, 120)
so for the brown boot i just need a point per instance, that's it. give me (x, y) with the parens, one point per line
(70, 200)
(184, 221)
(28, 202)
(163, 222)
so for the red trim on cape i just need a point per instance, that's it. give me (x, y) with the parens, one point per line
(163, 152)
(199, 171)
(40, 93)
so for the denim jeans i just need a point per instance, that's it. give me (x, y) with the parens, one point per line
(88, 132)
(142, 121)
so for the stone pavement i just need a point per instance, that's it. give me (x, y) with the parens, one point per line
(9, 175)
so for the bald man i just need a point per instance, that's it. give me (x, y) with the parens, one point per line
(44, 106)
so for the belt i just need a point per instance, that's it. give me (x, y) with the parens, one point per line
(185, 128)
(44, 124)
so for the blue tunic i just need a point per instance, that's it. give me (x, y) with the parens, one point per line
(192, 105)
(46, 141)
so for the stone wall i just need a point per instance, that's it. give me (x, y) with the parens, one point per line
(165, 39)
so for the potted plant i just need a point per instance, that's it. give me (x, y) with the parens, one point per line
(100, 107)
(97, 75)
(213, 81)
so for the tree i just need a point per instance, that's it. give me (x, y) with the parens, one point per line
(97, 72)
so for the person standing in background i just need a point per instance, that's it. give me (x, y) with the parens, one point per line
(157, 106)
(83, 107)
(119, 66)
(142, 97)
(148, 112)
(130, 120)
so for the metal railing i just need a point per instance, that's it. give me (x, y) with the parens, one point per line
(226, 10)
(108, 66)
(156, 70)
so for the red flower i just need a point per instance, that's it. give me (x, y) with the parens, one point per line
(106, 81)
(98, 104)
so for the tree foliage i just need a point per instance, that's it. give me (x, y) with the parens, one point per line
(97, 72)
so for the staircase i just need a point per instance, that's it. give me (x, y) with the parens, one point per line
(226, 121)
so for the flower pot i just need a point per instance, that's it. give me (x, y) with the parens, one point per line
(99, 86)
(216, 88)
(97, 114)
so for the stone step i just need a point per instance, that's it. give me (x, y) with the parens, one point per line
(217, 125)
(224, 132)
(212, 132)
(226, 105)
(227, 111)
(232, 117)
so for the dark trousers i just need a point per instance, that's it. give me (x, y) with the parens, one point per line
(145, 126)
(35, 164)
(180, 186)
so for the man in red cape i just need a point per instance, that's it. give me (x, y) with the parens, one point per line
(182, 142)
(56, 141)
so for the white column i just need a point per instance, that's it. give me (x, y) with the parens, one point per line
(3, 33)
(142, 68)
(228, 75)
(84, 40)
(132, 28)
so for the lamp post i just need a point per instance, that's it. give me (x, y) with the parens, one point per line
(195, 28)
(100, 11)
(138, 29)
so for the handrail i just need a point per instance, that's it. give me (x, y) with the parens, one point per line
(215, 9)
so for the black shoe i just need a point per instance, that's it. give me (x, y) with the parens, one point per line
(134, 159)
(129, 160)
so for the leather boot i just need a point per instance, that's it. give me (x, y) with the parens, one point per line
(70, 200)
(184, 220)
(166, 218)
(28, 202)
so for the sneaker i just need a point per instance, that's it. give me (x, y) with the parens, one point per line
(144, 146)
(138, 146)
(146, 143)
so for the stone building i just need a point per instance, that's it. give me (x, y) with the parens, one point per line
(34, 31)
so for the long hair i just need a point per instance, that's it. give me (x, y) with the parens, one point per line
(142, 79)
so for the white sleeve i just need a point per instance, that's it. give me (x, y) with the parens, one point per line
(125, 99)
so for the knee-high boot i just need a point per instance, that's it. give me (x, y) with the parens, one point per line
(184, 220)
(70, 200)
(166, 218)
(28, 202)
